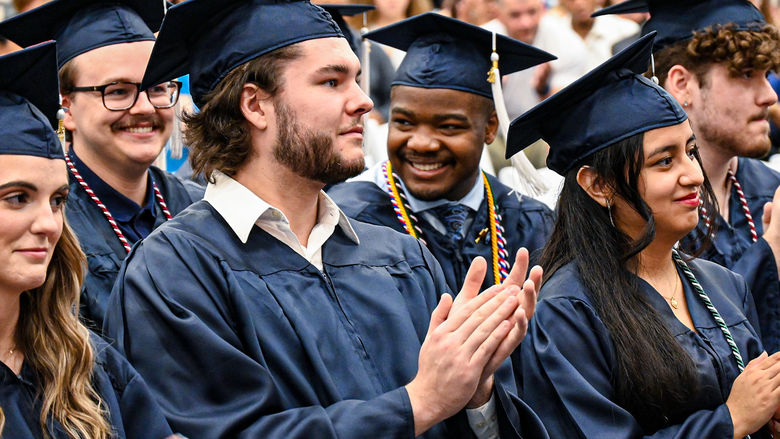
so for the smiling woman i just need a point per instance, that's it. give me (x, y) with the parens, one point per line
(57, 380)
(630, 337)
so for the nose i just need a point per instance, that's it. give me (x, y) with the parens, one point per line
(692, 174)
(47, 221)
(142, 105)
(766, 95)
(359, 103)
(421, 140)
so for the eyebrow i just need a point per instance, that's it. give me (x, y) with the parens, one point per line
(29, 186)
(23, 184)
(335, 68)
(668, 147)
(436, 118)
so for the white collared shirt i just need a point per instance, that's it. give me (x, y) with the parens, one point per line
(242, 210)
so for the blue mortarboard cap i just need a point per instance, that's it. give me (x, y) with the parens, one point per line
(79, 26)
(339, 11)
(29, 100)
(677, 20)
(442, 52)
(208, 38)
(610, 103)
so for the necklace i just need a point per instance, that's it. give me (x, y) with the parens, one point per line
(672, 300)
(10, 358)
(157, 194)
(742, 201)
(409, 221)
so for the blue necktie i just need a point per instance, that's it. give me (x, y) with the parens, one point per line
(453, 215)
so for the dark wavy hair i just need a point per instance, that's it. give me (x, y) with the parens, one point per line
(741, 50)
(217, 136)
(653, 373)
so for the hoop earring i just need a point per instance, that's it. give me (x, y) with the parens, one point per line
(609, 212)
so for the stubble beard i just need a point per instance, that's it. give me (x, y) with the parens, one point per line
(308, 153)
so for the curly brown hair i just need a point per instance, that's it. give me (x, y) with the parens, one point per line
(740, 50)
(217, 136)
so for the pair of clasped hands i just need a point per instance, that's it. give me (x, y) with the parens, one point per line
(468, 338)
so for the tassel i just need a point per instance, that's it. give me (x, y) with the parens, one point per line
(61, 125)
(527, 180)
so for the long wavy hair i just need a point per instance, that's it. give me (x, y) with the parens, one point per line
(57, 346)
(653, 374)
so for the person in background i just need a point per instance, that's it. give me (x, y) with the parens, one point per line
(526, 21)
(599, 34)
(279, 317)
(57, 379)
(388, 12)
(631, 337)
(114, 130)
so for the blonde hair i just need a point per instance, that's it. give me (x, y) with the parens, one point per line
(56, 345)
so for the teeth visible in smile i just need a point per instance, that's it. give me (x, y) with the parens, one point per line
(140, 129)
(427, 166)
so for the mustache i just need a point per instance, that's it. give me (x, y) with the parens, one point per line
(155, 120)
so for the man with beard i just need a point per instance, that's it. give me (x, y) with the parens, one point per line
(114, 131)
(439, 124)
(278, 317)
(713, 56)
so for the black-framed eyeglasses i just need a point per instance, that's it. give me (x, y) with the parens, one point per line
(122, 95)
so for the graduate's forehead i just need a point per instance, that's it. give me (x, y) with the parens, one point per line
(422, 101)
(325, 55)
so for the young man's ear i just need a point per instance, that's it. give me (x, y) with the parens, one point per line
(592, 183)
(256, 105)
(680, 83)
(491, 128)
(67, 122)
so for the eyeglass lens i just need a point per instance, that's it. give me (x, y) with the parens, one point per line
(123, 95)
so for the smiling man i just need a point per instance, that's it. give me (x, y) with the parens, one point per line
(432, 186)
(114, 130)
(713, 56)
(280, 317)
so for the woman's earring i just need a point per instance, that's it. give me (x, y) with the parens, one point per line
(609, 211)
(685, 104)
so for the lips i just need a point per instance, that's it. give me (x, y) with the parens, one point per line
(690, 199)
(34, 253)
(357, 129)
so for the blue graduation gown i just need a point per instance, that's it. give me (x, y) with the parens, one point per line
(568, 358)
(101, 245)
(527, 223)
(734, 248)
(132, 412)
(252, 341)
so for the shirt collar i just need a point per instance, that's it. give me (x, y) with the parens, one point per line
(241, 208)
(122, 208)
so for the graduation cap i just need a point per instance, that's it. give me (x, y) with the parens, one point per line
(442, 52)
(339, 11)
(29, 100)
(209, 38)
(677, 20)
(79, 26)
(610, 103)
